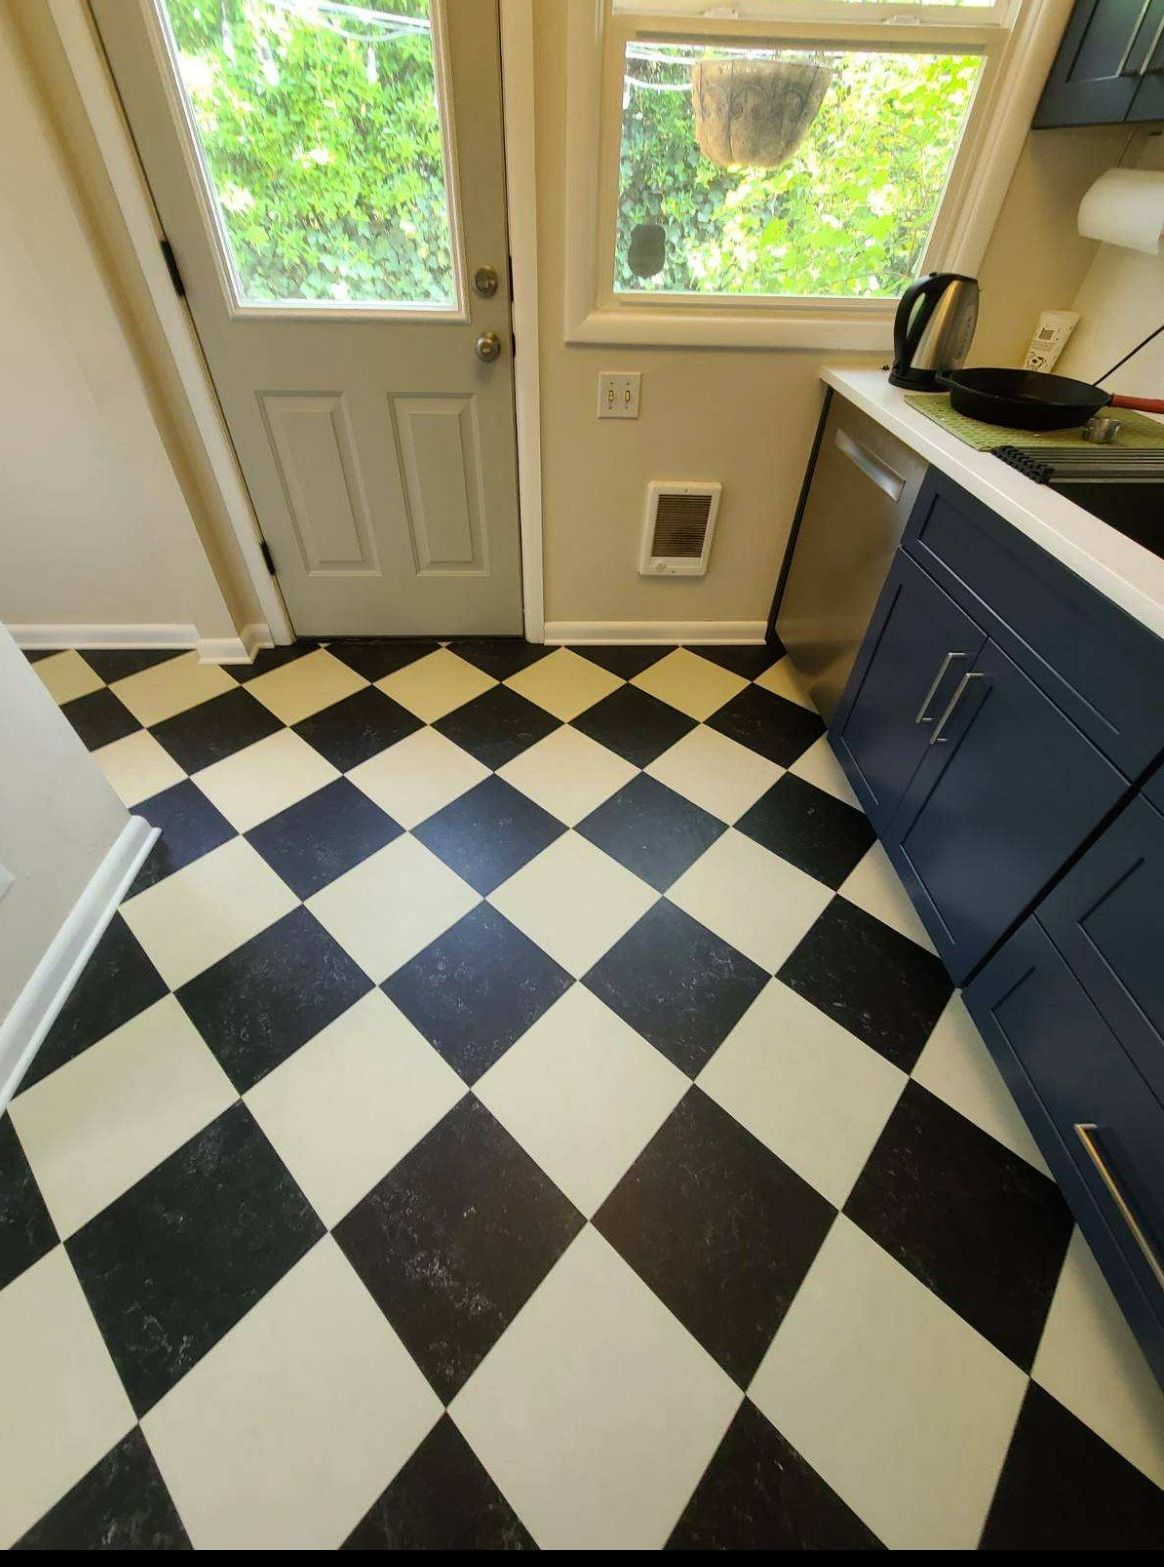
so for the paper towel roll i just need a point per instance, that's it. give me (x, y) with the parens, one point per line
(1125, 207)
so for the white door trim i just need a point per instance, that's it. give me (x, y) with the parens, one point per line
(78, 35)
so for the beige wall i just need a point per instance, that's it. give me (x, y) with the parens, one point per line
(743, 417)
(94, 526)
(58, 820)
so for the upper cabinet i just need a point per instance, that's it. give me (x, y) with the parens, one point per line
(1110, 66)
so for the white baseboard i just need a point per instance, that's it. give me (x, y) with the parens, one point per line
(35, 1009)
(707, 632)
(211, 650)
(234, 650)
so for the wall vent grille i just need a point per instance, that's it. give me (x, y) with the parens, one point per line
(680, 522)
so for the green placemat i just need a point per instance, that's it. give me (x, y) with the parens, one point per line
(1136, 429)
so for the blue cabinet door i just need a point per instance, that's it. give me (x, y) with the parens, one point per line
(1107, 919)
(918, 644)
(1100, 1129)
(1007, 791)
(1097, 72)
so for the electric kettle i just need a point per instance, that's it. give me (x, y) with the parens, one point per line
(932, 330)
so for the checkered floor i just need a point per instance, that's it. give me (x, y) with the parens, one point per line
(515, 1105)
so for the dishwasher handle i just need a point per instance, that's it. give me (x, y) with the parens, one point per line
(872, 467)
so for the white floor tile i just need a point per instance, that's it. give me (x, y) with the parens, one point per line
(583, 1093)
(782, 680)
(568, 774)
(67, 676)
(574, 901)
(596, 1412)
(813, 1093)
(264, 778)
(897, 1403)
(1090, 1362)
(435, 685)
(103, 1120)
(166, 689)
(873, 885)
(694, 685)
(719, 774)
(416, 777)
(296, 690)
(956, 1066)
(63, 1403)
(350, 1104)
(288, 1430)
(564, 683)
(818, 765)
(202, 912)
(138, 767)
(390, 906)
(756, 901)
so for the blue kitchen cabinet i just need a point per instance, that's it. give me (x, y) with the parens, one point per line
(1108, 66)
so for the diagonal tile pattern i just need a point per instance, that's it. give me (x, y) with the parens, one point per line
(514, 1107)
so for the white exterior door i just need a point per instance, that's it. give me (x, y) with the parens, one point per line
(330, 178)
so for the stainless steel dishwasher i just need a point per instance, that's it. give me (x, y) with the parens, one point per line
(859, 494)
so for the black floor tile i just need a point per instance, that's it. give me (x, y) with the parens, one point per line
(121, 1505)
(977, 1224)
(375, 657)
(358, 727)
(720, 1228)
(636, 725)
(627, 661)
(489, 833)
(748, 661)
(678, 984)
(452, 1243)
(500, 656)
(497, 726)
(256, 1006)
(758, 1494)
(190, 825)
(476, 989)
(652, 830)
(776, 728)
(35, 654)
(322, 836)
(118, 663)
(269, 658)
(100, 718)
(442, 1500)
(873, 981)
(809, 828)
(175, 1262)
(215, 730)
(117, 983)
(1064, 1489)
(26, 1231)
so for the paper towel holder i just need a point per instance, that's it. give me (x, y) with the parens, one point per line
(1125, 207)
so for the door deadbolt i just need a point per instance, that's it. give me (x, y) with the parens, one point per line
(489, 347)
(485, 281)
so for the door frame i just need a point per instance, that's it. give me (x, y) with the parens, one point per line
(77, 31)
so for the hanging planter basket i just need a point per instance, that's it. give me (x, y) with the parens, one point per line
(755, 113)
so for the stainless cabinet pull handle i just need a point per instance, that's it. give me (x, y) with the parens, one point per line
(1086, 1133)
(938, 737)
(1126, 68)
(1147, 68)
(923, 712)
(884, 478)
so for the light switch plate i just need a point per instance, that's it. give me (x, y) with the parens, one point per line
(618, 394)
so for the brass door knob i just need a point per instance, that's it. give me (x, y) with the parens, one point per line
(489, 347)
(486, 281)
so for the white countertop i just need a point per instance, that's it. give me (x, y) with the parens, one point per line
(1122, 570)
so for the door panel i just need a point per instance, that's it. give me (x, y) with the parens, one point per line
(378, 449)
(1094, 78)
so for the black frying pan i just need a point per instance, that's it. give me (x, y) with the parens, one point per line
(1033, 400)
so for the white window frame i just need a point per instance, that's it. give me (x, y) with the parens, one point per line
(1017, 39)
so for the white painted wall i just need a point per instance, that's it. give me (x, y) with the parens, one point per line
(94, 526)
(58, 820)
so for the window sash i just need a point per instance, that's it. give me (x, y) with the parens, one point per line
(999, 13)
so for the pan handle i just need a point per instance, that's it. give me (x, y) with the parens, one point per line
(1146, 405)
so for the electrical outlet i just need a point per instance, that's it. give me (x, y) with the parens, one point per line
(618, 394)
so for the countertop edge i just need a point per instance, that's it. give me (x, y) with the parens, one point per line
(1123, 571)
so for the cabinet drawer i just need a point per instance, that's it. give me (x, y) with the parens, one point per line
(1099, 1127)
(1101, 667)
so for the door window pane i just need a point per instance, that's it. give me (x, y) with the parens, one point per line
(806, 172)
(320, 135)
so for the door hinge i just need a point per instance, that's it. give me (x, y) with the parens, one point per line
(268, 558)
(172, 267)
